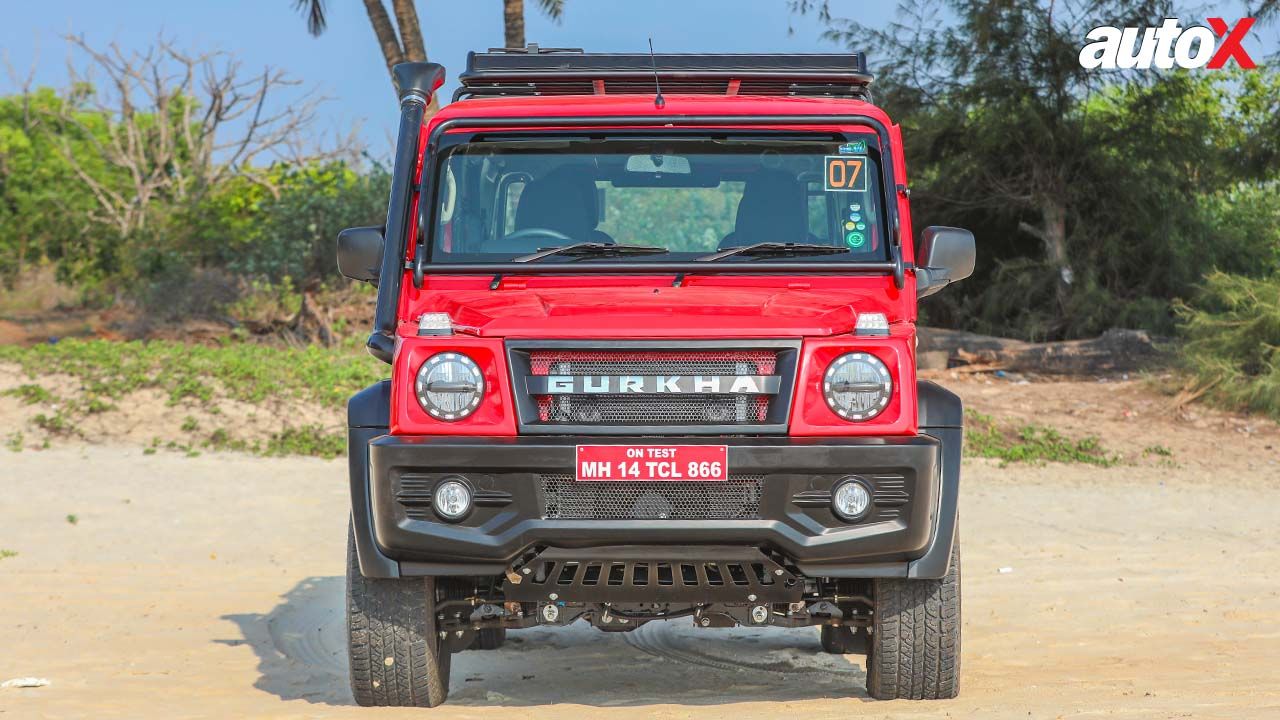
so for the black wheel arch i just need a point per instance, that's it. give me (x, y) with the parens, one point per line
(368, 417)
(941, 415)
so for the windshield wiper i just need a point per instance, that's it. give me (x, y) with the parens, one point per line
(766, 249)
(592, 249)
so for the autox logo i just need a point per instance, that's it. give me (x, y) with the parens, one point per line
(1132, 48)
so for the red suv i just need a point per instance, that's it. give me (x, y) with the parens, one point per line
(651, 328)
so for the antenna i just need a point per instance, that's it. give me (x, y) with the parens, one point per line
(658, 102)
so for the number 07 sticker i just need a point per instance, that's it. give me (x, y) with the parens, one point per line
(844, 173)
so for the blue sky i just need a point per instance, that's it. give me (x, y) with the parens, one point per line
(345, 63)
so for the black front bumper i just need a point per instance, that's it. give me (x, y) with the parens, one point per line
(793, 520)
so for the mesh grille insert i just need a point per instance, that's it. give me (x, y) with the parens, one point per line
(738, 498)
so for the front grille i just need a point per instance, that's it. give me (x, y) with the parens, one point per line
(738, 498)
(631, 410)
(619, 408)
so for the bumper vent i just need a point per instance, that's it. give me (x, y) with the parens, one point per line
(694, 574)
(736, 499)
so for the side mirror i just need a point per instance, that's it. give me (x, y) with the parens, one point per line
(360, 253)
(945, 255)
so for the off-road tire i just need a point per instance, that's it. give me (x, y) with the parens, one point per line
(489, 639)
(915, 637)
(396, 655)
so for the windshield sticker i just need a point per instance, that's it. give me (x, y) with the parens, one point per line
(844, 173)
(857, 147)
(855, 207)
(855, 239)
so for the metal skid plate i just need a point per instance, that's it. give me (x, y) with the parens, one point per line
(698, 574)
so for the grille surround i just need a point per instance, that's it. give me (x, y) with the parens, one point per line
(565, 498)
(722, 413)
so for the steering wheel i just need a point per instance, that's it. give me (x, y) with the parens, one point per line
(533, 232)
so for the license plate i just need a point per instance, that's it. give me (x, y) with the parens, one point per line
(653, 463)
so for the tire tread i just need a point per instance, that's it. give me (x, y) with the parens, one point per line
(915, 643)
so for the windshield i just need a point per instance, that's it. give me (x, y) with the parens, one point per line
(503, 199)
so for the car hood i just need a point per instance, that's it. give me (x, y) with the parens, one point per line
(660, 310)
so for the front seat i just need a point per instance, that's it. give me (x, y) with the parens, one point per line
(563, 200)
(772, 209)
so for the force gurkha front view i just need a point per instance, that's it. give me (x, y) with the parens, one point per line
(651, 328)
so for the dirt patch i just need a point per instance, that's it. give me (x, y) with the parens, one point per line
(149, 418)
(212, 587)
(1131, 418)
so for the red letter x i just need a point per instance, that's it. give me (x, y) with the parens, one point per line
(1230, 47)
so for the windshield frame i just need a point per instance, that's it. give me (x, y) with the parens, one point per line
(444, 134)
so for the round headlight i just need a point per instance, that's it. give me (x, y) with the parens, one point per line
(857, 386)
(851, 500)
(449, 386)
(452, 500)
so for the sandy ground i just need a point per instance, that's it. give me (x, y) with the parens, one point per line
(211, 587)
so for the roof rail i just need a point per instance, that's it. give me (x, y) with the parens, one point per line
(535, 70)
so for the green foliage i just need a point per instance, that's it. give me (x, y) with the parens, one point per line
(31, 394)
(14, 441)
(308, 440)
(6, 554)
(41, 216)
(1232, 333)
(55, 424)
(72, 519)
(292, 236)
(1030, 443)
(198, 373)
(195, 250)
(1096, 198)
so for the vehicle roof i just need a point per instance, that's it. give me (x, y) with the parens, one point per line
(676, 105)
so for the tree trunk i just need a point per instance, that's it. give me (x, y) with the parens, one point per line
(393, 51)
(1054, 217)
(386, 32)
(410, 30)
(1052, 232)
(513, 22)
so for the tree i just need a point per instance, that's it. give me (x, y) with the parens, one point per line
(408, 45)
(400, 42)
(513, 19)
(170, 125)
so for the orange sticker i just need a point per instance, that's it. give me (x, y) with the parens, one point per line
(844, 173)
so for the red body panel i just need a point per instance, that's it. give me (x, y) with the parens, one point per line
(810, 415)
(821, 309)
(597, 306)
(496, 414)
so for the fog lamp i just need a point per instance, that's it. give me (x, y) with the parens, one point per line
(452, 500)
(851, 500)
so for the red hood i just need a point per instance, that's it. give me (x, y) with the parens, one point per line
(651, 308)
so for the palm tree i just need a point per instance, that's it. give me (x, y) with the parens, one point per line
(513, 18)
(406, 46)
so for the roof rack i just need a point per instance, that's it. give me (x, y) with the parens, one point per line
(535, 70)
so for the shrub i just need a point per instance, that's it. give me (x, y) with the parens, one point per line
(1232, 332)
